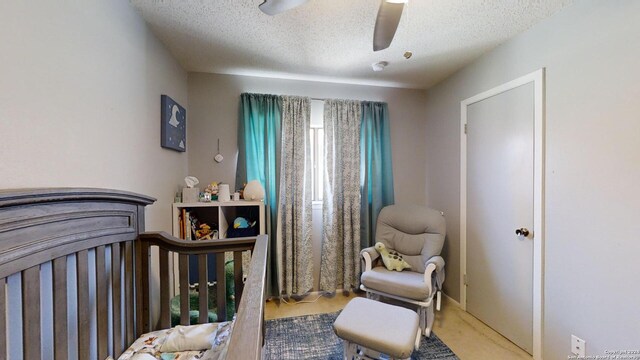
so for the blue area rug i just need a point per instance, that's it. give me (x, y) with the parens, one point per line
(312, 338)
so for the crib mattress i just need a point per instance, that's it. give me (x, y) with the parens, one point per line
(147, 346)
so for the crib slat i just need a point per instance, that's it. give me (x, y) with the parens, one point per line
(165, 312)
(203, 290)
(101, 302)
(115, 299)
(82, 263)
(138, 281)
(184, 289)
(221, 287)
(143, 281)
(31, 313)
(238, 285)
(3, 319)
(128, 293)
(60, 336)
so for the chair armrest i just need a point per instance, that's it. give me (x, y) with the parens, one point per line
(435, 263)
(438, 261)
(369, 255)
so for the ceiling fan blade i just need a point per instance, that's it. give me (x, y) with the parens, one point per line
(386, 24)
(274, 7)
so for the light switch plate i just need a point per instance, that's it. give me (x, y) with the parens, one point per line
(578, 346)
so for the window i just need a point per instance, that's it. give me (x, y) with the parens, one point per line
(316, 137)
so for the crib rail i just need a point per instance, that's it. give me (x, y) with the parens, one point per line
(246, 338)
(67, 272)
(72, 264)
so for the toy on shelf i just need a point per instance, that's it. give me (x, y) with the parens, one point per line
(241, 191)
(254, 191)
(242, 228)
(242, 223)
(212, 191)
(204, 232)
(192, 229)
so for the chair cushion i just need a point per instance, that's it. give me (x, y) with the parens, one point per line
(408, 284)
(378, 326)
(415, 231)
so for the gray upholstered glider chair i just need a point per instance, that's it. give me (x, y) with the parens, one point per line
(418, 234)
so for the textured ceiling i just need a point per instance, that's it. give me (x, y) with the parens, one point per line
(331, 40)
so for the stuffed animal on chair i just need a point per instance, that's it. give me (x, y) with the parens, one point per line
(392, 259)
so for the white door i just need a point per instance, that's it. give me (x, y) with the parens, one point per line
(500, 199)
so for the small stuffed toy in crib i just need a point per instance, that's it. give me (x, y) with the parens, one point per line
(392, 259)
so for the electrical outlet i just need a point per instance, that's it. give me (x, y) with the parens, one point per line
(578, 346)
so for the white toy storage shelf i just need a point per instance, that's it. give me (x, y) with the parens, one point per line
(221, 213)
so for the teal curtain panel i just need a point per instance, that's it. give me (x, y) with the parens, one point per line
(376, 174)
(259, 139)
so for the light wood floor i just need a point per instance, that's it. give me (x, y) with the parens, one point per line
(468, 337)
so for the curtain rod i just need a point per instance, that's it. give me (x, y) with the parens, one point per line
(324, 99)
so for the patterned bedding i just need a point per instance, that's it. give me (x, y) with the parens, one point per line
(147, 346)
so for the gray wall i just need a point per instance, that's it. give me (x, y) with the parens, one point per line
(591, 53)
(80, 87)
(214, 103)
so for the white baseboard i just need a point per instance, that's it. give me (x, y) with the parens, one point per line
(451, 301)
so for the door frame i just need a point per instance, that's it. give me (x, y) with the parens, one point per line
(537, 78)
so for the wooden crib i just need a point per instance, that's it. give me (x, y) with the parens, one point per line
(75, 275)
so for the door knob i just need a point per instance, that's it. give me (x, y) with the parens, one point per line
(522, 231)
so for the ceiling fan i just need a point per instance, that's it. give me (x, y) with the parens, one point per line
(387, 21)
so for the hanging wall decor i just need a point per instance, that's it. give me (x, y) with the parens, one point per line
(174, 125)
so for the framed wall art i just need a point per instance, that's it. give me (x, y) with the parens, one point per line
(174, 125)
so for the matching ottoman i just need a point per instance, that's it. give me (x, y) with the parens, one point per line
(372, 328)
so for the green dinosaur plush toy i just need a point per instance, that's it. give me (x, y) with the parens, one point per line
(392, 259)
